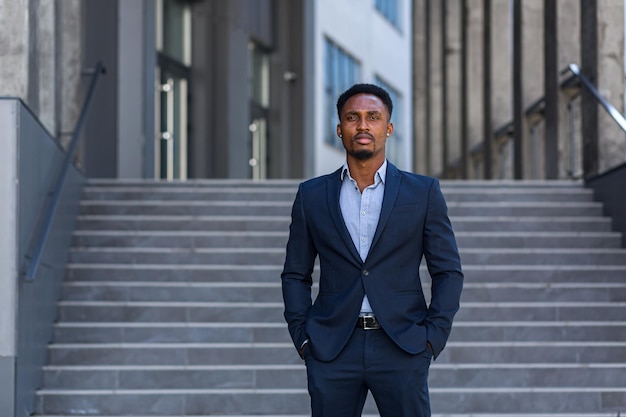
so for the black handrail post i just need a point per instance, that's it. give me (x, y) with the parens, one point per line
(46, 226)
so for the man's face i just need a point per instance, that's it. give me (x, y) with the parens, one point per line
(364, 126)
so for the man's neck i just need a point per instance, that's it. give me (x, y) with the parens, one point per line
(364, 171)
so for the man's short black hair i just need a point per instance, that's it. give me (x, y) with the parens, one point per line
(375, 90)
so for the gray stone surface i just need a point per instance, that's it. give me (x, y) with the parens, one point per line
(182, 314)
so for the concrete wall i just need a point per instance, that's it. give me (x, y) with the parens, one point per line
(28, 308)
(611, 81)
(40, 49)
(475, 21)
(8, 253)
(440, 87)
(569, 52)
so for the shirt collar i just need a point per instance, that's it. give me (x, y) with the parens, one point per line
(381, 173)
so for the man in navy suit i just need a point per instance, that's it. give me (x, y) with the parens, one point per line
(370, 224)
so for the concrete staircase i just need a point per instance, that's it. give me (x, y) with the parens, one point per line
(172, 305)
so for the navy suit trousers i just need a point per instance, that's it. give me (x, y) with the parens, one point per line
(372, 362)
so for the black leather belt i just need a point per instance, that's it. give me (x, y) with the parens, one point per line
(368, 323)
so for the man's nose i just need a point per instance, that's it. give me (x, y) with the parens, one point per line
(362, 125)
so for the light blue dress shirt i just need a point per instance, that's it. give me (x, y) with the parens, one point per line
(361, 212)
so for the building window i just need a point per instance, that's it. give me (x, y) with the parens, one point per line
(394, 145)
(341, 72)
(389, 9)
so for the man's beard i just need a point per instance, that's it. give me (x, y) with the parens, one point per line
(362, 154)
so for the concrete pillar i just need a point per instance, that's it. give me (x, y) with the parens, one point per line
(501, 78)
(46, 57)
(474, 71)
(452, 106)
(533, 84)
(568, 15)
(69, 66)
(551, 91)
(610, 83)
(420, 88)
(436, 89)
(15, 48)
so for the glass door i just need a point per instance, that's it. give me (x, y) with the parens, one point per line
(172, 146)
(259, 82)
(258, 142)
(172, 97)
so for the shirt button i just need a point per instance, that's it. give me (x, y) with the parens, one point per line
(363, 213)
(363, 239)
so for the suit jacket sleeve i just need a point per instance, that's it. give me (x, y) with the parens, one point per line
(444, 265)
(297, 272)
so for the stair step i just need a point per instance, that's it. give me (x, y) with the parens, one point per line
(271, 291)
(276, 401)
(269, 239)
(271, 273)
(172, 304)
(277, 223)
(284, 353)
(276, 256)
(263, 331)
(268, 208)
(202, 311)
(294, 376)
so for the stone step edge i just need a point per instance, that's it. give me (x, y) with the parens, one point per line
(243, 233)
(280, 250)
(251, 189)
(297, 391)
(472, 267)
(225, 185)
(376, 415)
(263, 345)
(194, 325)
(435, 365)
(286, 218)
(469, 304)
(108, 232)
(262, 203)
(263, 284)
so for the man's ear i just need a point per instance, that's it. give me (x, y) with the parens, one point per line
(339, 131)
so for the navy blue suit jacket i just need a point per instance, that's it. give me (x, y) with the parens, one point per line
(413, 224)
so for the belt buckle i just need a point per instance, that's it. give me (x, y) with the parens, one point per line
(370, 323)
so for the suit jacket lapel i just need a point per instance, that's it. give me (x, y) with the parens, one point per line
(392, 185)
(334, 188)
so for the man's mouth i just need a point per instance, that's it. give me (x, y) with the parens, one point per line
(363, 139)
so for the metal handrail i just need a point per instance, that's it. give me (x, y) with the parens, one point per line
(611, 110)
(46, 227)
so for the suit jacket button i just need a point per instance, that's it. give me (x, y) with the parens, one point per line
(366, 272)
